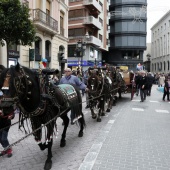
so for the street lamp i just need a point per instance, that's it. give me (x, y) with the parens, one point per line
(148, 61)
(79, 51)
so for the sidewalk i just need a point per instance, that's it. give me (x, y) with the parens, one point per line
(137, 138)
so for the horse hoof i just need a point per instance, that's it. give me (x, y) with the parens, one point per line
(80, 134)
(94, 117)
(99, 119)
(48, 165)
(108, 110)
(103, 114)
(62, 143)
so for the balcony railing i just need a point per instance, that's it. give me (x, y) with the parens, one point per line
(90, 40)
(92, 20)
(94, 3)
(45, 19)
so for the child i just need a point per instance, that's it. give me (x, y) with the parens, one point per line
(5, 122)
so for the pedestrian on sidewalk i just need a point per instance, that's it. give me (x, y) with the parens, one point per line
(150, 80)
(143, 86)
(5, 123)
(166, 90)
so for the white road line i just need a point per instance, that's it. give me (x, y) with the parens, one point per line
(138, 109)
(135, 100)
(153, 101)
(111, 121)
(162, 111)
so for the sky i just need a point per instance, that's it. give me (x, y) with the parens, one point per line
(155, 10)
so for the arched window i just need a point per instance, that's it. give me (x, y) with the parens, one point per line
(38, 49)
(168, 65)
(155, 67)
(164, 65)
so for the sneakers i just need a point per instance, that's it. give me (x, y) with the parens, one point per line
(8, 152)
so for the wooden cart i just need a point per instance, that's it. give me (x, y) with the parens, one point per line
(129, 78)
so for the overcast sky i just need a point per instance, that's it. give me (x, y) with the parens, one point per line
(155, 10)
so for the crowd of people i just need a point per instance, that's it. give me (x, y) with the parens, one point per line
(144, 82)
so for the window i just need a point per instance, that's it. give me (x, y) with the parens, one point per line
(101, 21)
(76, 32)
(100, 37)
(61, 23)
(76, 13)
(71, 49)
(101, 5)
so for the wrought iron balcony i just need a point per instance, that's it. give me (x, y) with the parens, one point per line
(44, 21)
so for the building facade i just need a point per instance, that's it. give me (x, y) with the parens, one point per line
(127, 32)
(88, 24)
(50, 18)
(160, 45)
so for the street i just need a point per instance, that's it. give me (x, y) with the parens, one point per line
(134, 135)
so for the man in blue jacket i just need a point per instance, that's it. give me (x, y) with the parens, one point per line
(71, 79)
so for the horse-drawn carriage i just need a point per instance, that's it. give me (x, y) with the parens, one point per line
(129, 78)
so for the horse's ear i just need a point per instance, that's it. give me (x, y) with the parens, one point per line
(17, 67)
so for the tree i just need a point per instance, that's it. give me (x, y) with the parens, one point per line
(15, 25)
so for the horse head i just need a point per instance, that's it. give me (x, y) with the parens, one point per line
(95, 81)
(20, 88)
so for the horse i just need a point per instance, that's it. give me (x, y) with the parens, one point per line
(40, 101)
(118, 83)
(98, 91)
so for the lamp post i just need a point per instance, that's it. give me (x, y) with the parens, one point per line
(79, 51)
(148, 61)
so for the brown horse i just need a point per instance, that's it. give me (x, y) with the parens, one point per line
(98, 91)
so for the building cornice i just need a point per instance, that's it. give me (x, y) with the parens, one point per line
(160, 20)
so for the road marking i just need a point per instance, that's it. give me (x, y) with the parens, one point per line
(135, 100)
(138, 109)
(153, 101)
(162, 111)
(111, 121)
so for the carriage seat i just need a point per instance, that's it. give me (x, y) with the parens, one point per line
(50, 71)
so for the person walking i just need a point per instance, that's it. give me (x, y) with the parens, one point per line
(161, 80)
(143, 86)
(137, 79)
(150, 80)
(166, 90)
(71, 79)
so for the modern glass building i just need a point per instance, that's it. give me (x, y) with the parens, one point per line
(127, 35)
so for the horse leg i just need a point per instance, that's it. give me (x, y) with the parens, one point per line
(82, 125)
(92, 113)
(48, 162)
(103, 106)
(63, 136)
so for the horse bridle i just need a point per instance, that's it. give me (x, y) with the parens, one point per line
(18, 84)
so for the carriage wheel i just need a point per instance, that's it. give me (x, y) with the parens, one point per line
(132, 92)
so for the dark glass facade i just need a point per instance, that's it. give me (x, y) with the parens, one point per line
(127, 35)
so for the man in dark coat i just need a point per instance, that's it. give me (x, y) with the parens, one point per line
(150, 80)
(143, 85)
(137, 79)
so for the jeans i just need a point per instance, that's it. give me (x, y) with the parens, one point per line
(4, 138)
(143, 94)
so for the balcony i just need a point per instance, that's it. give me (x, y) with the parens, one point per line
(44, 22)
(90, 40)
(93, 5)
(92, 22)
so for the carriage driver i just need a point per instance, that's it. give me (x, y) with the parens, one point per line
(71, 79)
